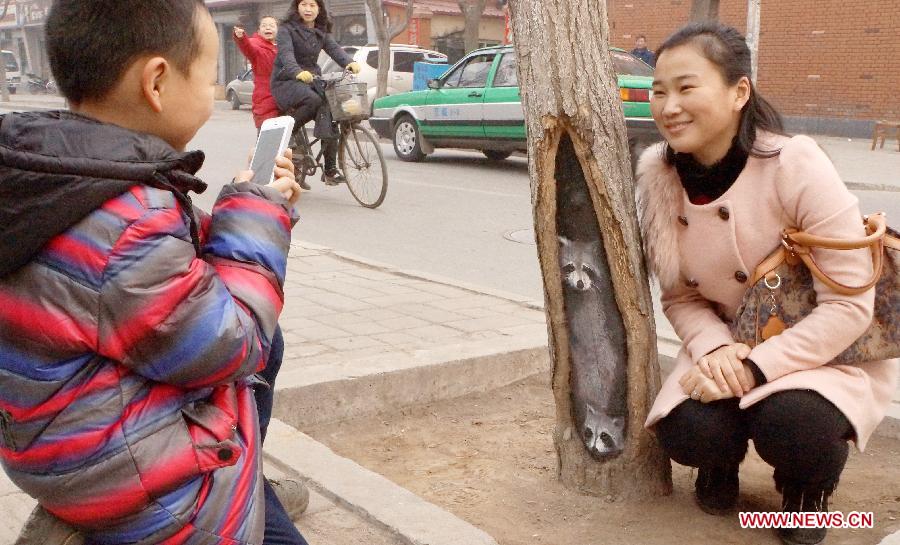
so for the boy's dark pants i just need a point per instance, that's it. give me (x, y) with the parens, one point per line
(280, 530)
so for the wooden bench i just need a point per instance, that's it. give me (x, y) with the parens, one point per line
(883, 130)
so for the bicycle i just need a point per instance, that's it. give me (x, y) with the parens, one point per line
(359, 153)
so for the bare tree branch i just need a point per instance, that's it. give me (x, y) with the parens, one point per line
(471, 10)
(400, 27)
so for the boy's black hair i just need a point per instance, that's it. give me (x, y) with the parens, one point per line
(91, 43)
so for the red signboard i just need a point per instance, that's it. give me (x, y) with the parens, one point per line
(413, 32)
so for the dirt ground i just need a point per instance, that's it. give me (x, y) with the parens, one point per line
(489, 459)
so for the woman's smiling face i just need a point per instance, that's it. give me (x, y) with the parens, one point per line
(695, 109)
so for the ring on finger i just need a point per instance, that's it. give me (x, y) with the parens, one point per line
(695, 395)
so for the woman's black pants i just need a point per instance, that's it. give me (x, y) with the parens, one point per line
(798, 432)
(309, 101)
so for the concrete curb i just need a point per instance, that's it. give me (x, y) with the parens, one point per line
(384, 383)
(368, 494)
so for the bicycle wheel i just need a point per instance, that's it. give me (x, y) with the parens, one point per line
(363, 164)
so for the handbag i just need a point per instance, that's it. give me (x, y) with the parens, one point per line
(781, 291)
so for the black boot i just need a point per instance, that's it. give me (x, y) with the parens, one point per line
(716, 489)
(804, 499)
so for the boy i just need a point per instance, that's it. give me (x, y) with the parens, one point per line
(129, 321)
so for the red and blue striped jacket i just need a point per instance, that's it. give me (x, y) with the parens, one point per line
(125, 343)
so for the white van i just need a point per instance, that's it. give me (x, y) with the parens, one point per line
(13, 71)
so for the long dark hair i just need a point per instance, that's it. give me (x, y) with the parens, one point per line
(323, 22)
(725, 47)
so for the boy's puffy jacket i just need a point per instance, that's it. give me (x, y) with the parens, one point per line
(129, 324)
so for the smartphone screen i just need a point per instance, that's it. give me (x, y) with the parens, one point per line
(263, 165)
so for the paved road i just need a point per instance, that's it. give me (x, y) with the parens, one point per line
(447, 215)
(451, 214)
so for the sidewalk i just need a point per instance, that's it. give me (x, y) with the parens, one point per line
(362, 337)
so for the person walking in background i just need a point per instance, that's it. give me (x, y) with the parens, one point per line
(640, 51)
(304, 33)
(260, 50)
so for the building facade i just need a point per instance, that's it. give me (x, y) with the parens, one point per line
(830, 66)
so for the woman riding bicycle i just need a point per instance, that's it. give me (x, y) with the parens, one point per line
(305, 31)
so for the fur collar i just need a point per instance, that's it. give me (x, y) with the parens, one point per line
(660, 200)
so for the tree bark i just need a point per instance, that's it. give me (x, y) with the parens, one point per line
(581, 187)
(753, 7)
(383, 35)
(472, 10)
(705, 10)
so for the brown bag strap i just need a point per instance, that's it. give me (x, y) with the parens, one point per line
(876, 225)
(799, 243)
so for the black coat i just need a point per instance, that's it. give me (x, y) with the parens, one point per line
(298, 50)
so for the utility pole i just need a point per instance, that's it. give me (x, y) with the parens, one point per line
(753, 7)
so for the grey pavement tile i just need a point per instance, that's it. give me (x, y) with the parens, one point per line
(374, 274)
(339, 318)
(434, 333)
(402, 324)
(489, 323)
(322, 332)
(477, 312)
(402, 299)
(450, 292)
(387, 288)
(304, 350)
(339, 303)
(468, 301)
(378, 314)
(296, 323)
(429, 312)
(353, 343)
(530, 330)
(396, 339)
(363, 328)
(300, 308)
(348, 289)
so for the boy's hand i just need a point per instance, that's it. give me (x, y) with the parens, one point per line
(284, 177)
(239, 32)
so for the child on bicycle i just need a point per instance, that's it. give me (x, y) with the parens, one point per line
(130, 321)
(304, 32)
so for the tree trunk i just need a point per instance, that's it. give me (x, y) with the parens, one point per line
(602, 333)
(472, 10)
(4, 89)
(753, 35)
(705, 10)
(383, 36)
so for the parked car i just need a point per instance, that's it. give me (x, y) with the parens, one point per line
(239, 91)
(13, 71)
(400, 74)
(476, 105)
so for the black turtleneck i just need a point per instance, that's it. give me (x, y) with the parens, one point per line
(705, 184)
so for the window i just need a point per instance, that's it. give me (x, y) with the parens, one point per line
(372, 58)
(506, 75)
(248, 75)
(473, 73)
(11, 64)
(626, 64)
(404, 60)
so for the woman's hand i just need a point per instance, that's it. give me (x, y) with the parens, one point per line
(284, 177)
(305, 76)
(353, 67)
(725, 366)
(239, 32)
(702, 388)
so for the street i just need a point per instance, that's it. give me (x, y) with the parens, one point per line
(448, 215)
(453, 214)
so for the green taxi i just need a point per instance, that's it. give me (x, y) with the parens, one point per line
(476, 105)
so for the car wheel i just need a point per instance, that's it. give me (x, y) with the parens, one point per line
(495, 155)
(406, 140)
(235, 101)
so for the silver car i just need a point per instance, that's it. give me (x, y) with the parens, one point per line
(240, 90)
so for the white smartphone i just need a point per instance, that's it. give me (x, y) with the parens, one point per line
(272, 141)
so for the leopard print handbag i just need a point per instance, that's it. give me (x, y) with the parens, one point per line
(782, 294)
